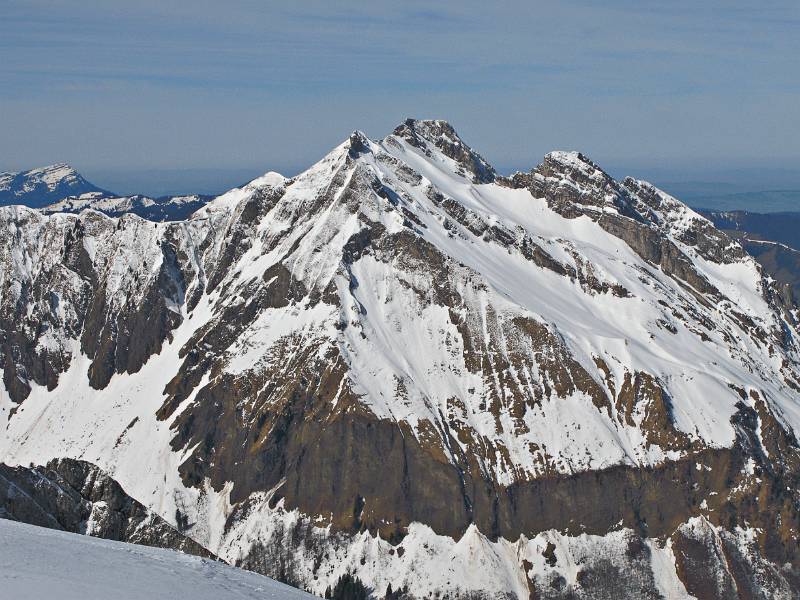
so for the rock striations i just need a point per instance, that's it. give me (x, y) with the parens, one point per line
(402, 365)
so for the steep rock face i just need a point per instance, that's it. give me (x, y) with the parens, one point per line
(111, 290)
(400, 364)
(39, 187)
(76, 496)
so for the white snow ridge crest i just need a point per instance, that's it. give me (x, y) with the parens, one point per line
(402, 365)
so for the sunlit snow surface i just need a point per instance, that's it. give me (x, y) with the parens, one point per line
(38, 563)
(50, 176)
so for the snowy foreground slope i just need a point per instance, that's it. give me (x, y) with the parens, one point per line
(76, 496)
(402, 365)
(38, 563)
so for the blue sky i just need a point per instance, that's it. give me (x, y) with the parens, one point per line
(124, 86)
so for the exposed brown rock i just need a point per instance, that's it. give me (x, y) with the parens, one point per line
(76, 496)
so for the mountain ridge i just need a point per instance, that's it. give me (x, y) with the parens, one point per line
(60, 188)
(76, 496)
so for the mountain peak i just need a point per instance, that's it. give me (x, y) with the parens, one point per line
(358, 142)
(54, 167)
(426, 134)
(53, 174)
(43, 185)
(573, 163)
(429, 128)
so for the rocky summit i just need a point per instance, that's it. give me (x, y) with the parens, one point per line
(403, 366)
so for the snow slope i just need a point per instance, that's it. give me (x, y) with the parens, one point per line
(38, 563)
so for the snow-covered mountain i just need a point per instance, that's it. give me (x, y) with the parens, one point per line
(60, 188)
(402, 365)
(39, 187)
(37, 563)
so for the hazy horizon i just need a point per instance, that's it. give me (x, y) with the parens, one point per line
(750, 187)
(684, 184)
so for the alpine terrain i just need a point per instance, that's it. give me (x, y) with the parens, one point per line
(403, 366)
(772, 239)
(60, 188)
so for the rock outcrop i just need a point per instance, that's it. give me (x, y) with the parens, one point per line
(76, 496)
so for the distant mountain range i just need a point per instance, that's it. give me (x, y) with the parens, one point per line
(167, 208)
(39, 187)
(782, 227)
(60, 188)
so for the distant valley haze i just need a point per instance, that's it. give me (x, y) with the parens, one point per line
(766, 189)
